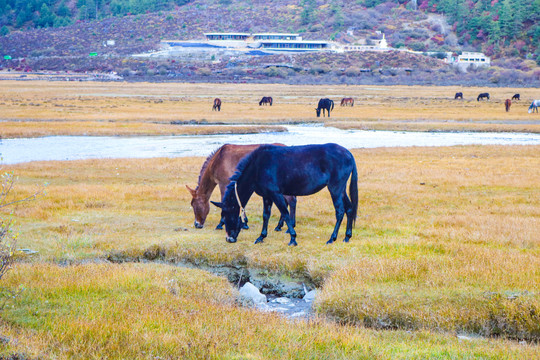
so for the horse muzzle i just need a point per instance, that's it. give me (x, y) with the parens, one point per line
(198, 225)
(230, 239)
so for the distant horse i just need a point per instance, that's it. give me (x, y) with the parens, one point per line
(216, 170)
(273, 171)
(482, 96)
(459, 95)
(217, 104)
(534, 106)
(347, 102)
(516, 97)
(324, 104)
(266, 100)
(507, 104)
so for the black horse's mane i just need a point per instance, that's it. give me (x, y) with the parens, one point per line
(244, 163)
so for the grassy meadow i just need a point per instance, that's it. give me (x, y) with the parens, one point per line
(444, 261)
(446, 244)
(36, 108)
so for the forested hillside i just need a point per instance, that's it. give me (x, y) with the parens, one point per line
(496, 27)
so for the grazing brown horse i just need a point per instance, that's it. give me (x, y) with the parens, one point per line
(347, 102)
(507, 104)
(217, 104)
(216, 170)
(266, 100)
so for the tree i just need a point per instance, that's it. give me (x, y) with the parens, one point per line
(8, 239)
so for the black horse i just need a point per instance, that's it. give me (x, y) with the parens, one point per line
(273, 171)
(515, 97)
(482, 96)
(459, 95)
(266, 100)
(324, 104)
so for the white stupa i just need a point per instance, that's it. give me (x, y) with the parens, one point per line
(383, 44)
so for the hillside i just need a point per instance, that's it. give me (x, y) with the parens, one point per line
(74, 29)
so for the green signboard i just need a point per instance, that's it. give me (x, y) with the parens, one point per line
(93, 54)
(7, 57)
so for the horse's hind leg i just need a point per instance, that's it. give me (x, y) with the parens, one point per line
(291, 200)
(339, 205)
(267, 208)
(348, 211)
(281, 204)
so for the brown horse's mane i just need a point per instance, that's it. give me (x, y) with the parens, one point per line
(206, 164)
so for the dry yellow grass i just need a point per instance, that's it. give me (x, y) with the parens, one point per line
(149, 311)
(377, 107)
(447, 238)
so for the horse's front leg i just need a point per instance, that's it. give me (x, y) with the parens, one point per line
(267, 208)
(281, 204)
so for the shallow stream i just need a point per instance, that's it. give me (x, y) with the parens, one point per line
(15, 151)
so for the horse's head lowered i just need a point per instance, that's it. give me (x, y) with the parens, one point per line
(318, 110)
(200, 206)
(230, 212)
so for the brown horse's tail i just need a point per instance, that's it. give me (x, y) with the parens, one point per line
(507, 104)
(353, 192)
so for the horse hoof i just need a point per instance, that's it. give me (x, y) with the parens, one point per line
(277, 229)
(259, 241)
(292, 243)
(346, 240)
(245, 227)
(329, 242)
(219, 227)
(230, 239)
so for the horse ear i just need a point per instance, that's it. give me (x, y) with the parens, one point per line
(218, 204)
(193, 192)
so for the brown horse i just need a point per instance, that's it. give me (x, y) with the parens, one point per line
(347, 102)
(266, 100)
(507, 104)
(217, 104)
(216, 170)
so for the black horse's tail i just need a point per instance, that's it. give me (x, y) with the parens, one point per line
(353, 192)
(332, 101)
(271, 101)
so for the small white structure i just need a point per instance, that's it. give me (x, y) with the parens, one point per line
(475, 58)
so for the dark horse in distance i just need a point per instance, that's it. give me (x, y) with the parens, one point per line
(266, 100)
(324, 104)
(516, 97)
(459, 95)
(216, 171)
(273, 171)
(217, 104)
(482, 96)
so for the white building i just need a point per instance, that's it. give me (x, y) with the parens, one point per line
(475, 58)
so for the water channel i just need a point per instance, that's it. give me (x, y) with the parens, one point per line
(15, 151)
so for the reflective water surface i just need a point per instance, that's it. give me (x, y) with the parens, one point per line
(94, 147)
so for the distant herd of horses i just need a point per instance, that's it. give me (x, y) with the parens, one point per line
(507, 103)
(326, 105)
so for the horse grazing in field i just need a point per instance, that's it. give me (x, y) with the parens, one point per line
(274, 171)
(516, 97)
(347, 102)
(459, 95)
(217, 104)
(324, 104)
(482, 96)
(216, 170)
(266, 100)
(534, 106)
(507, 104)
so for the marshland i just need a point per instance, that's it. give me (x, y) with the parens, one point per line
(443, 263)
